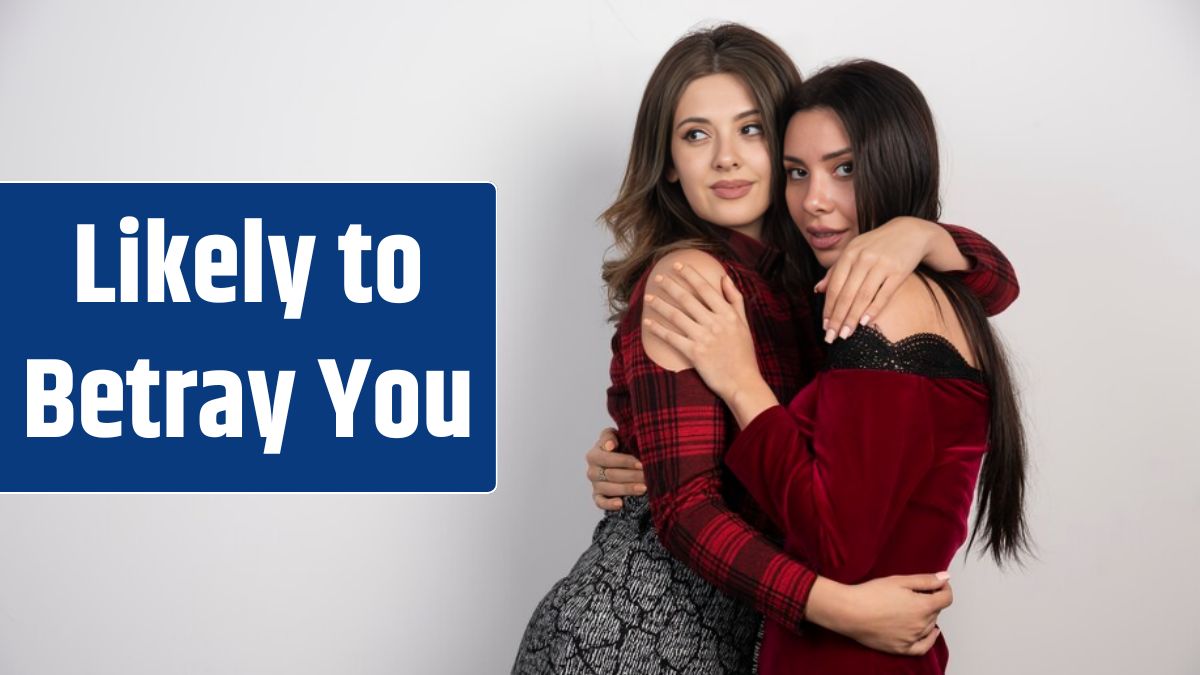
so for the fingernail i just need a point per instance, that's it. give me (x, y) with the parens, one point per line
(658, 278)
(640, 489)
(677, 266)
(649, 298)
(942, 576)
(609, 445)
(846, 330)
(865, 320)
(637, 465)
(824, 324)
(829, 336)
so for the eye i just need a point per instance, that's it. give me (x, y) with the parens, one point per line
(694, 135)
(754, 129)
(796, 173)
(845, 169)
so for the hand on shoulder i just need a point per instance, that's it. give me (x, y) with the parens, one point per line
(658, 349)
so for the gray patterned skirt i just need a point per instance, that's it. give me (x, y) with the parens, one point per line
(627, 606)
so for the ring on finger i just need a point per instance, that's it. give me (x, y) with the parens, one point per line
(602, 475)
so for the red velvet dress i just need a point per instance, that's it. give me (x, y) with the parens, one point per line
(870, 471)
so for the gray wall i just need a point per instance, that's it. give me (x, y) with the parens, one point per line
(1069, 138)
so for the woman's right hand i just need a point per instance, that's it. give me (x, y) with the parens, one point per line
(896, 614)
(708, 325)
(613, 474)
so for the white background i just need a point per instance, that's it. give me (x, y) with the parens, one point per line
(1068, 133)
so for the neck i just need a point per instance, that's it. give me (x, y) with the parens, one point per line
(752, 230)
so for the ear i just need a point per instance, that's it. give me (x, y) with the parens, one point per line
(672, 175)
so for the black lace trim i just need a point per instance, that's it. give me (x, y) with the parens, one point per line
(925, 354)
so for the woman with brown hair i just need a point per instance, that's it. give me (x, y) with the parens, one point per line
(675, 580)
(870, 470)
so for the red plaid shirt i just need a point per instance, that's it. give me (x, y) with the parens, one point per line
(992, 278)
(681, 430)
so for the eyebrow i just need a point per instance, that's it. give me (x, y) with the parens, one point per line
(705, 120)
(824, 158)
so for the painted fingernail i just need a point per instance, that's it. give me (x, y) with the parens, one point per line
(942, 576)
(609, 445)
(824, 324)
(637, 465)
(846, 331)
(640, 489)
(865, 320)
(830, 335)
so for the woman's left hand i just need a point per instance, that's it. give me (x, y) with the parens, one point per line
(708, 326)
(870, 270)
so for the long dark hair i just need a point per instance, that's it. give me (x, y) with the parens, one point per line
(895, 153)
(651, 215)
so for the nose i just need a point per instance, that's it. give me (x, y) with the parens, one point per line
(725, 155)
(817, 201)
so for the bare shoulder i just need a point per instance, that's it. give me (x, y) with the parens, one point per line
(703, 262)
(658, 349)
(920, 306)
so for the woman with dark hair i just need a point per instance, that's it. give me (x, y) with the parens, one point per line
(870, 470)
(675, 581)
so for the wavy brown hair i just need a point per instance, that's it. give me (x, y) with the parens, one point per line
(894, 145)
(651, 216)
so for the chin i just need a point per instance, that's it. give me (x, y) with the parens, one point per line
(738, 215)
(730, 220)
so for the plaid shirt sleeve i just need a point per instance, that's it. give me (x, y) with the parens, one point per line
(683, 433)
(991, 277)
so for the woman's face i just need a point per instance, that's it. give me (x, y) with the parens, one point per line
(719, 154)
(820, 182)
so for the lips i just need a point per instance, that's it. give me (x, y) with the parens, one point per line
(823, 238)
(731, 189)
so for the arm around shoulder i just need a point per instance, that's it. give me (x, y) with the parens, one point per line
(989, 274)
(659, 350)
